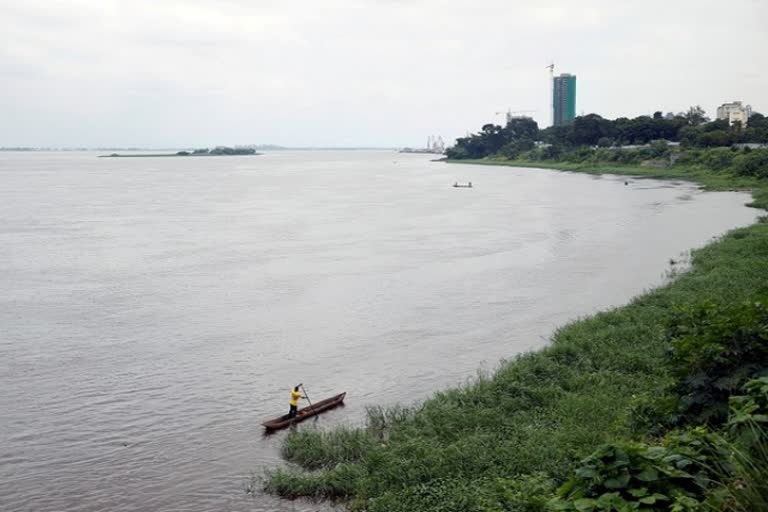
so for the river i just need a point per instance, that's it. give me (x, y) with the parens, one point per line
(155, 310)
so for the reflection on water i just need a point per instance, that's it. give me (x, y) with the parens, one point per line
(155, 311)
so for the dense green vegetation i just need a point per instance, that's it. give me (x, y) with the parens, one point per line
(608, 413)
(691, 130)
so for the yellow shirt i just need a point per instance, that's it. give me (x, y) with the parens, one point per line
(295, 395)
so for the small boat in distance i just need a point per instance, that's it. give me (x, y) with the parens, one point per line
(305, 412)
(457, 185)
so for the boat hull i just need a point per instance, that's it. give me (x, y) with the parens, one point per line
(305, 413)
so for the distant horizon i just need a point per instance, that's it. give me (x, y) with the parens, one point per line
(265, 147)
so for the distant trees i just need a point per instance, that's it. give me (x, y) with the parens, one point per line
(718, 133)
(519, 134)
(696, 116)
(588, 130)
(219, 150)
(691, 128)
(223, 150)
(757, 128)
(714, 134)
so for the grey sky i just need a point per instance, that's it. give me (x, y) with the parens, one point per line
(157, 73)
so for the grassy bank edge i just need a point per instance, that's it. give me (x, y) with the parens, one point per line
(520, 430)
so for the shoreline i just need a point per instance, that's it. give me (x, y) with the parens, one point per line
(524, 428)
(709, 180)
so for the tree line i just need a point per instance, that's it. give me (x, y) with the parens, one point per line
(691, 129)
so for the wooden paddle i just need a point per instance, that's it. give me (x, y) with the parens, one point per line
(306, 395)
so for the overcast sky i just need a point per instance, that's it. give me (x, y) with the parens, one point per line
(157, 73)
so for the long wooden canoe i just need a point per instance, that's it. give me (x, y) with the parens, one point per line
(305, 412)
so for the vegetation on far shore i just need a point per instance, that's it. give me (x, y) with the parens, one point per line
(217, 151)
(691, 130)
(661, 404)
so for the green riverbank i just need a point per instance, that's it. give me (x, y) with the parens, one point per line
(508, 440)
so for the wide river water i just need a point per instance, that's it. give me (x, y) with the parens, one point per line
(155, 310)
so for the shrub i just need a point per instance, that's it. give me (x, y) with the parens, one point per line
(579, 155)
(748, 412)
(551, 153)
(509, 150)
(754, 163)
(659, 149)
(525, 493)
(690, 157)
(629, 156)
(718, 158)
(715, 350)
(635, 476)
(692, 470)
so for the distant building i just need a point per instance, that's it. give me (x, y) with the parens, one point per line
(563, 99)
(734, 112)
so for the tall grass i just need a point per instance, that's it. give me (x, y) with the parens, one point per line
(526, 426)
(315, 449)
(746, 486)
(745, 475)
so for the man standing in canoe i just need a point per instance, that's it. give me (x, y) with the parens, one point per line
(295, 395)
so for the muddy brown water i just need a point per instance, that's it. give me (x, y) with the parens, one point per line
(154, 311)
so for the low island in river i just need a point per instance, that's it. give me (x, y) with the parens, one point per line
(217, 151)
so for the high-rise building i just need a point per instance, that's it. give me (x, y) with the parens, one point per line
(734, 112)
(563, 99)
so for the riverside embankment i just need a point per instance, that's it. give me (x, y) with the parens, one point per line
(505, 441)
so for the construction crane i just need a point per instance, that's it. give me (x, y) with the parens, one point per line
(551, 69)
(514, 113)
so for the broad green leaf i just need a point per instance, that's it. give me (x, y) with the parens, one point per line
(559, 505)
(648, 475)
(586, 472)
(584, 504)
(609, 501)
(653, 498)
(619, 482)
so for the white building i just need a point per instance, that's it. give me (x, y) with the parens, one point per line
(733, 112)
